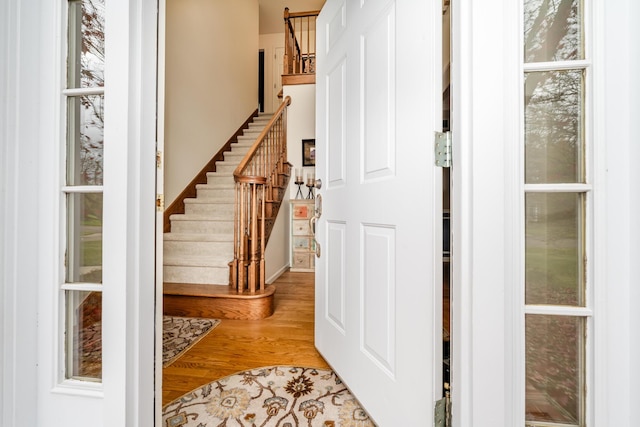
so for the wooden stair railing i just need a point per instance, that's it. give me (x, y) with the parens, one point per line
(261, 181)
(300, 47)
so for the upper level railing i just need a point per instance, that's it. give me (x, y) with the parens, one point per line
(261, 179)
(300, 43)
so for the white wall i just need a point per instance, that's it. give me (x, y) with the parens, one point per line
(301, 122)
(277, 253)
(211, 81)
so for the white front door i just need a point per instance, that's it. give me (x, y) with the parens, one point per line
(379, 270)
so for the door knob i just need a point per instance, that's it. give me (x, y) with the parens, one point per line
(318, 183)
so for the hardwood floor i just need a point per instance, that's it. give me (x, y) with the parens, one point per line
(285, 338)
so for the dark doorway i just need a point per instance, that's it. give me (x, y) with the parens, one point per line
(261, 81)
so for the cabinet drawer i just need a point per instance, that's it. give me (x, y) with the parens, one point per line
(300, 227)
(302, 211)
(300, 260)
(301, 243)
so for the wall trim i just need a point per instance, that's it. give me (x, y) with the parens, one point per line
(277, 274)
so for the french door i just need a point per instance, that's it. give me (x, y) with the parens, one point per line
(96, 284)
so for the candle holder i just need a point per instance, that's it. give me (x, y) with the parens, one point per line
(311, 182)
(299, 194)
(299, 181)
(310, 185)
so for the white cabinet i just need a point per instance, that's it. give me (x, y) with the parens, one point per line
(302, 243)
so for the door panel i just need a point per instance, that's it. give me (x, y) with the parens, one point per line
(378, 98)
(378, 294)
(336, 284)
(379, 274)
(336, 143)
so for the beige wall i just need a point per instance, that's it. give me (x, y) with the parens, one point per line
(211, 81)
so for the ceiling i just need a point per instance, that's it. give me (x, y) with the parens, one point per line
(271, 12)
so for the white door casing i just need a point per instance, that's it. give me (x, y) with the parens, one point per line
(485, 87)
(159, 225)
(379, 276)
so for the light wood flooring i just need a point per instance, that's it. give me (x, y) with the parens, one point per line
(285, 338)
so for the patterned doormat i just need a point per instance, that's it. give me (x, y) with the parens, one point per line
(284, 396)
(181, 333)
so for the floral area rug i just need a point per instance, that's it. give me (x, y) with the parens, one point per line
(181, 333)
(283, 396)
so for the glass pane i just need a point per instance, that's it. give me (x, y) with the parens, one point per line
(85, 140)
(84, 335)
(554, 249)
(84, 238)
(555, 369)
(554, 111)
(553, 30)
(86, 44)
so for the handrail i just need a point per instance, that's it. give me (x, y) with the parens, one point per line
(259, 177)
(299, 42)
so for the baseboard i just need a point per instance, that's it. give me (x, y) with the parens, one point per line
(277, 274)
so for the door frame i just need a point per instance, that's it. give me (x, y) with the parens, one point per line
(484, 248)
(29, 50)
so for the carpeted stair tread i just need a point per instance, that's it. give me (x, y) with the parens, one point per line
(206, 226)
(225, 179)
(234, 156)
(199, 237)
(196, 261)
(213, 187)
(244, 140)
(195, 217)
(200, 201)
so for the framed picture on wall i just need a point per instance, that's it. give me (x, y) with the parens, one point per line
(308, 152)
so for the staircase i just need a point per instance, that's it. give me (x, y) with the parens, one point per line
(200, 246)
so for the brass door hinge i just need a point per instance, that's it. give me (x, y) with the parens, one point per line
(160, 202)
